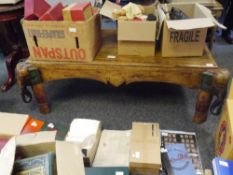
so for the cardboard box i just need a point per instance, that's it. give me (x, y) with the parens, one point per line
(113, 149)
(145, 156)
(12, 124)
(63, 40)
(134, 37)
(15, 124)
(85, 132)
(224, 133)
(186, 37)
(7, 157)
(40, 143)
(230, 96)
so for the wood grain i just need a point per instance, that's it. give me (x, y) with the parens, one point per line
(110, 68)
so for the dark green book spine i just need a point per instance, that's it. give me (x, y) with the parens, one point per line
(46, 161)
(107, 171)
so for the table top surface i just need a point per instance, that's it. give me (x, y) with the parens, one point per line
(109, 49)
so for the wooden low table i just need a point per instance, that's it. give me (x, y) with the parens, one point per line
(201, 73)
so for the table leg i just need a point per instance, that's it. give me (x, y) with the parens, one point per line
(204, 99)
(212, 84)
(38, 89)
(11, 61)
(30, 76)
(15, 38)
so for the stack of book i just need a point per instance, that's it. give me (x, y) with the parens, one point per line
(188, 139)
(222, 166)
(41, 165)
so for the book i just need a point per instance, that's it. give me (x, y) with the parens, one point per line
(33, 171)
(61, 130)
(44, 161)
(32, 125)
(191, 145)
(180, 161)
(222, 166)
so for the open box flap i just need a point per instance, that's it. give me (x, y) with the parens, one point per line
(208, 14)
(188, 24)
(12, 124)
(162, 17)
(69, 159)
(7, 157)
(36, 138)
(203, 18)
(108, 8)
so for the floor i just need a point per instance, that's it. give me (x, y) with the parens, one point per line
(170, 105)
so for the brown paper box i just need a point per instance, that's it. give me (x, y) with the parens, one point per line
(134, 37)
(90, 144)
(88, 160)
(224, 133)
(139, 48)
(63, 40)
(186, 37)
(12, 124)
(43, 142)
(145, 148)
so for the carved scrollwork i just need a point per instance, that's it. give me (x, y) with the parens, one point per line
(116, 79)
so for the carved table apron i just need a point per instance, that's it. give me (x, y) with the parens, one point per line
(201, 73)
